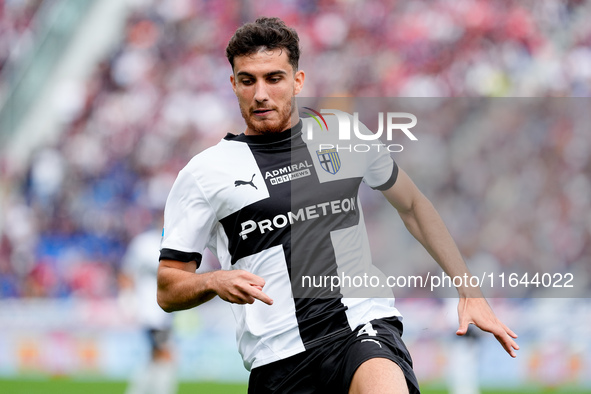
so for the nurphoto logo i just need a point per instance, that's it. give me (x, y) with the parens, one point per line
(395, 122)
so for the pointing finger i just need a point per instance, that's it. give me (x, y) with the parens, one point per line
(260, 295)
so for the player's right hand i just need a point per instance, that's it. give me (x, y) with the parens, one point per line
(239, 287)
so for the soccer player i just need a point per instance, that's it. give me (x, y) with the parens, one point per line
(267, 230)
(138, 293)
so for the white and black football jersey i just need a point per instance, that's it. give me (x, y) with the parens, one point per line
(282, 206)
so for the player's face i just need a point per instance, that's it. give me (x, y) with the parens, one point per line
(265, 84)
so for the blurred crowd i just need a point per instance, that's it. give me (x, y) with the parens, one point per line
(164, 95)
(17, 32)
(15, 26)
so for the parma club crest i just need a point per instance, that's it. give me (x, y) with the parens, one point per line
(329, 160)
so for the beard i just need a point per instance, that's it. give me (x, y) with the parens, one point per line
(268, 126)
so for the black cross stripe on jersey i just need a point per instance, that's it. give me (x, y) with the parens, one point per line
(307, 245)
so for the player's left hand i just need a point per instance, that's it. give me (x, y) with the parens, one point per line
(477, 311)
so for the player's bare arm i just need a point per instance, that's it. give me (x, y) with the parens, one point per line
(424, 223)
(179, 287)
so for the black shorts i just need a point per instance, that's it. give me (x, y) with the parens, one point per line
(329, 367)
(159, 339)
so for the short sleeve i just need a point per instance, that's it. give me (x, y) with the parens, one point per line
(188, 221)
(381, 170)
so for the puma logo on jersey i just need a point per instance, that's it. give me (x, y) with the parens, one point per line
(372, 340)
(251, 183)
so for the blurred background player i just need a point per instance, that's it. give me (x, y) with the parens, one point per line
(138, 294)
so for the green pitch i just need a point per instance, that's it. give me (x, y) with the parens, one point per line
(66, 386)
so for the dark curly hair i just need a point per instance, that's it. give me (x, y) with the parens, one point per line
(264, 33)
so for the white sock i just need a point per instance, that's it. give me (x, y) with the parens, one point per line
(164, 379)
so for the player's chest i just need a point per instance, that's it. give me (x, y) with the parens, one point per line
(278, 180)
